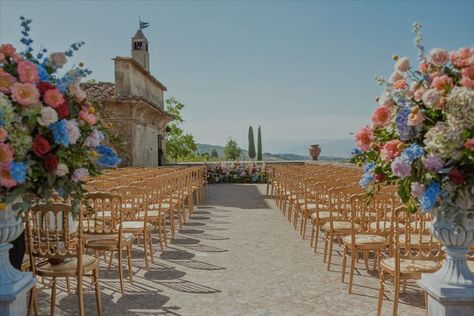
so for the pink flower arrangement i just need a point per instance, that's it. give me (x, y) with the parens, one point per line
(381, 115)
(439, 57)
(364, 138)
(442, 82)
(25, 94)
(464, 57)
(391, 149)
(6, 81)
(53, 98)
(28, 72)
(468, 77)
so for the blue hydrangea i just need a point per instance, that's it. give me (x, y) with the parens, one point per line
(428, 200)
(403, 129)
(60, 133)
(1, 119)
(108, 158)
(18, 171)
(412, 152)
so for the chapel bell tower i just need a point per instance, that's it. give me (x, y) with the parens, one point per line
(140, 50)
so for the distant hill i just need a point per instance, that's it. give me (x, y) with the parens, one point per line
(206, 148)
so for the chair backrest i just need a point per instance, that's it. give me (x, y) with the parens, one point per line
(52, 233)
(134, 202)
(102, 213)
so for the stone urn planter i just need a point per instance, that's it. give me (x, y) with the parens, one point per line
(314, 151)
(451, 289)
(14, 284)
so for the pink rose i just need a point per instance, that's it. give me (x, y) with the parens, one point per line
(468, 77)
(8, 49)
(6, 81)
(442, 82)
(391, 149)
(402, 64)
(79, 174)
(469, 144)
(381, 115)
(364, 138)
(87, 117)
(464, 57)
(53, 98)
(423, 68)
(439, 56)
(25, 93)
(431, 98)
(76, 91)
(28, 72)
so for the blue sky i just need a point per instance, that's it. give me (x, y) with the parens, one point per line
(303, 70)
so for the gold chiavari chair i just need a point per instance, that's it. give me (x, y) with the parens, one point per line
(408, 263)
(55, 248)
(103, 229)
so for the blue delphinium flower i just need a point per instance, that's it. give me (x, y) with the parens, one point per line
(18, 171)
(356, 151)
(428, 200)
(60, 133)
(1, 118)
(43, 74)
(368, 175)
(403, 129)
(104, 150)
(412, 152)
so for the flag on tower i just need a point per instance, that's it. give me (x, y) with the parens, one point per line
(143, 25)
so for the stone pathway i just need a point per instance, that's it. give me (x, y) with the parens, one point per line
(237, 255)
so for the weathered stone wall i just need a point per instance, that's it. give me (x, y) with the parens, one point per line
(131, 80)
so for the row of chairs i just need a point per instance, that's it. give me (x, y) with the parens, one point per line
(378, 227)
(120, 207)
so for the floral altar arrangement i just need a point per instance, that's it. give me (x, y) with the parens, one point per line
(238, 172)
(50, 136)
(422, 133)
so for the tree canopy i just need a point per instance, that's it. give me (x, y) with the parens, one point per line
(251, 143)
(232, 150)
(259, 145)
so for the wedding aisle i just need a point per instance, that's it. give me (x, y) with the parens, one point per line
(237, 255)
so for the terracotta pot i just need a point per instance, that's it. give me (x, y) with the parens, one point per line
(314, 151)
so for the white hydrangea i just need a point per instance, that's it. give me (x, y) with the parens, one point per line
(460, 108)
(444, 141)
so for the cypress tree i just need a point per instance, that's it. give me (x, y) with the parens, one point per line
(259, 145)
(251, 144)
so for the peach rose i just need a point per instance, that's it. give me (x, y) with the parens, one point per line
(53, 98)
(381, 115)
(6, 81)
(6, 154)
(28, 72)
(75, 90)
(423, 68)
(364, 138)
(391, 149)
(3, 134)
(6, 178)
(468, 77)
(25, 93)
(419, 93)
(400, 84)
(415, 117)
(431, 98)
(439, 56)
(8, 49)
(395, 76)
(442, 82)
(464, 57)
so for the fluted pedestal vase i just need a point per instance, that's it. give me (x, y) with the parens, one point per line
(14, 284)
(451, 289)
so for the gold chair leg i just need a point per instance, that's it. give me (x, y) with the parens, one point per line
(53, 296)
(381, 293)
(129, 259)
(145, 251)
(331, 242)
(366, 260)
(396, 294)
(150, 239)
(32, 310)
(97, 291)
(344, 260)
(68, 285)
(351, 275)
(119, 252)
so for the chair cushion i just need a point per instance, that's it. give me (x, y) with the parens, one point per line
(108, 242)
(324, 214)
(135, 225)
(363, 239)
(340, 225)
(69, 266)
(384, 225)
(411, 265)
(415, 239)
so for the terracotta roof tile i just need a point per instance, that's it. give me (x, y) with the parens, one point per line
(100, 90)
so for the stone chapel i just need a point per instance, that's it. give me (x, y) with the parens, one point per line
(134, 104)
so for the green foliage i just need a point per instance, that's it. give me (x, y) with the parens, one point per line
(251, 144)
(232, 150)
(178, 144)
(214, 153)
(259, 145)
